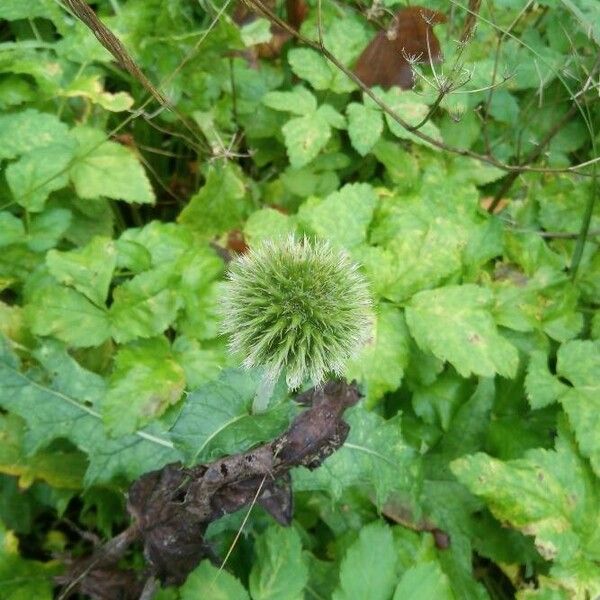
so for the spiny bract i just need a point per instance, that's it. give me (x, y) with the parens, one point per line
(296, 305)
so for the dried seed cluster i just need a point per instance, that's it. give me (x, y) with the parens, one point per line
(296, 305)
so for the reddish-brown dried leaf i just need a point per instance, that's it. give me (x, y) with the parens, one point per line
(384, 61)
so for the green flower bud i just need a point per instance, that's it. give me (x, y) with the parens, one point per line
(297, 306)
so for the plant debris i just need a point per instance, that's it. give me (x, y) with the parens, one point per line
(172, 507)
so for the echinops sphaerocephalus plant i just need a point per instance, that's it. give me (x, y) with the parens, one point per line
(297, 306)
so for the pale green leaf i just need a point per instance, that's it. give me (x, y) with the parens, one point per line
(89, 269)
(365, 126)
(29, 129)
(64, 402)
(456, 325)
(64, 313)
(310, 66)
(267, 224)
(425, 580)
(220, 205)
(279, 570)
(207, 581)
(579, 363)
(369, 568)
(379, 367)
(145, 305)
(145, 382)
(34, 176)
(305, 137)
(541, 386)
(343, 217)
(11, 229)
(299, 101)
(106, 169)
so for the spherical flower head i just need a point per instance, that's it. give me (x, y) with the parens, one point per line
(296, 305)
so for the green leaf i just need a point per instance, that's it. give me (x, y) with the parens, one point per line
(305, 137)
(279, 571)
(24, 131)
(34, 176)
(47, 228)
(146, 381)
(380, 365)
(11, 229)
(365, 126)
(369, 568)
(552, 495)
(62, 400)
(310, 66)
(145, 305)
(69, 316)
(207, 580)
(425, 580)
(61, 469)
(332, 116)
(267, 224)
(343, 217)
(541, 386)
(89, 269)
(21, 579)
(257, 31)
(410, 107)
(106, 169)
(299, 101)
(220, 205)
(375, 457)
(216, 419)
(455, 324)
(579, 363)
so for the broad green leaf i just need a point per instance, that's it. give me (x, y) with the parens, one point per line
(374, 458)
(579, 363)
(11, 229)
(145, 305)
(424, 580)
(279, 570)
(198, 292)
(379, 367)
(34, 176)
(20, 578)
(91, 88)
(220, 205)
(299, 101)
(456, 325)
(410, 107)
(200, 363)
(89, 269)
(332, 116)
(257, 31)
(216, 419)
(208, 581)
(145, 382)
(106, 169)
(541, 386)
(267, 224)
(24, 131)
(47, 228)
(305, 137)
(64, 313)
(60, 468)
(64, 402)
(310, 66)
(365, 126)
(369, 568)
(552, 495)
(427, 239)
(343, 217)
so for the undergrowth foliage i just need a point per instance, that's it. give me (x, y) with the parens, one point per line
(297, 306)
(210, 131)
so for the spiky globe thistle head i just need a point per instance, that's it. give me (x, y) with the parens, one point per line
(298, 306)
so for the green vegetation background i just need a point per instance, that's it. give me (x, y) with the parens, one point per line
(481, 415)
